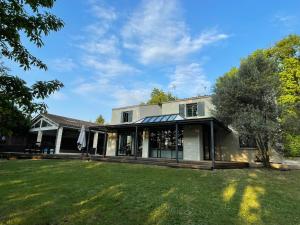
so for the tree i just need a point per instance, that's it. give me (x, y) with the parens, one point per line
(286, 54)
(18, 101)
(100, 120)
(158, 96)
(28, 19)
(33, 19)
(245, 98)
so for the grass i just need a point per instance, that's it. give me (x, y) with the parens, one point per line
(79, 192)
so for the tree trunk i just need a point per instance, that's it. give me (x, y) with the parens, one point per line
(263, 148)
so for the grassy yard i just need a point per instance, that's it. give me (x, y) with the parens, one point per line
(79, 192)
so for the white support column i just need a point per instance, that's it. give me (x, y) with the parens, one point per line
(145, 151)
(58, 140)
(95, 141)
(39, 136)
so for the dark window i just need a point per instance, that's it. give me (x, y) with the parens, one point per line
(247, 142)
(45, 124)
(126, 117)
(191, 110)
(163, 143)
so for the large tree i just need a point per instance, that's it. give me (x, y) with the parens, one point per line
(245, 98)
(33, 20)
(286, 54)
(158, 96)
(18, 101)
(22, 19)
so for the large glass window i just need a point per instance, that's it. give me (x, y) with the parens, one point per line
(163, 143)
(191, 109)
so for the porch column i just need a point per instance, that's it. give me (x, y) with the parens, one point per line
(39, 136)
(136, 142)
(145, 151)
(176, 142)
(88, 143)
(104, 144)
(212, 144)
(58, 140)
(95, 142)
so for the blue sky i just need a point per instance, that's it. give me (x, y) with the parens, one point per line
(113, 53)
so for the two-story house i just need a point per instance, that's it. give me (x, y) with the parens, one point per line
(183, 129)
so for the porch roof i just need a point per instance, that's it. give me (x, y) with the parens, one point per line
(162, 120)
(64, 121)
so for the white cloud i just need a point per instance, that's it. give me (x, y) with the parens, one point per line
(102, 46)
(109, 67)
(157, 33)
(63, 64)
(102, 11)
(286, 21)
(119, 95)
(189, 80)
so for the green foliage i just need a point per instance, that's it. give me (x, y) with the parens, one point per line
(18, 101)
(33, 20)
(158, 96)
(246, 99)
(286, 53)
(100, 120)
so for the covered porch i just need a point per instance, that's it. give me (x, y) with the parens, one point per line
(52, 134)
(167, 137)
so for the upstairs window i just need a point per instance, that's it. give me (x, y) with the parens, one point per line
(191, 110)
(126, 117)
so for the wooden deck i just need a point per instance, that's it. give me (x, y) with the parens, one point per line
(118, 159)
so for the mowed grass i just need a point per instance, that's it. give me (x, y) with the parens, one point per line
(80, 192)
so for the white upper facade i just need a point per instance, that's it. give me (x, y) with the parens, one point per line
(196, 107)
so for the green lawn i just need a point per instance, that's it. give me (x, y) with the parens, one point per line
(79, 192)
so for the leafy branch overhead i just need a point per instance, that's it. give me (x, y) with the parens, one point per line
(31, 18)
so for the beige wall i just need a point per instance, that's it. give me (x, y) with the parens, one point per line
(111, 144)
(193, 143)
(139, 112)
(173, 107)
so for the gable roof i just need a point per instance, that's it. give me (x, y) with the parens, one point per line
(67, 121)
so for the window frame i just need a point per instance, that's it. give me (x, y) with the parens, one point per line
(194, 109)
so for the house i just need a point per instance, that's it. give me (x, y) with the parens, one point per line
(183, 129)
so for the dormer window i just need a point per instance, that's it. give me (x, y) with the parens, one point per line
(126, 117)
(191, 110)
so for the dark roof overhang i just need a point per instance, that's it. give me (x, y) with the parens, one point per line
(200, 121)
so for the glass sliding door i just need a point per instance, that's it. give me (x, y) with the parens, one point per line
(126, 142)
(163, 143)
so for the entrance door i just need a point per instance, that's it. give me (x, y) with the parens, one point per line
(126, 144)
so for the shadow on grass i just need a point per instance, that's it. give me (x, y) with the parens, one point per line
(78, 192)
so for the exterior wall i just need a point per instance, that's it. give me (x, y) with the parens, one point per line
(139, 112)
(228, 148)
(116, 114)
(149, 110)
(193, 143)
(111, 144)
(145, 151)
(173, 107)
